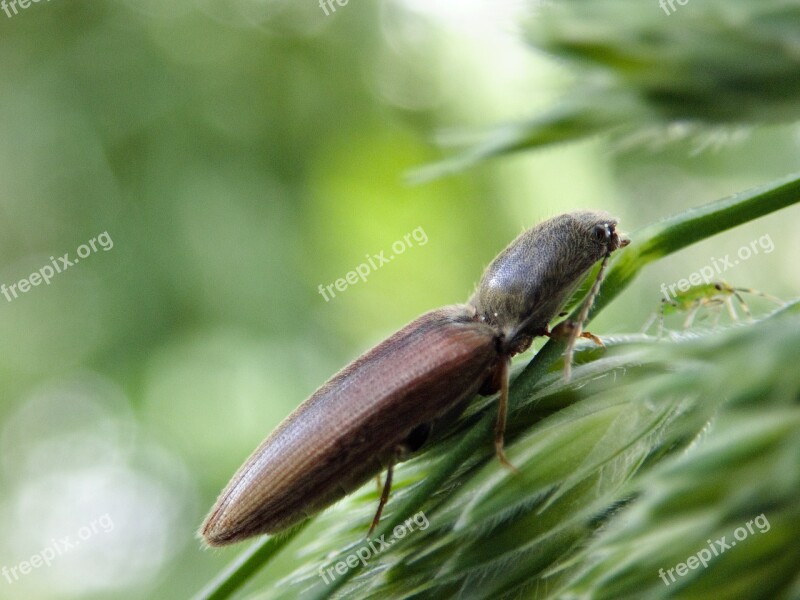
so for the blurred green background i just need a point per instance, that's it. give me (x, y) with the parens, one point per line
(239, 154)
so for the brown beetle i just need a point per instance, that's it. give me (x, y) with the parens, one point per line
(382, 406)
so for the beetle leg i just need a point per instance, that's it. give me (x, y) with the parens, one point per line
(571, 331)
(576, 328)
(413, 442)
(593, 337)
(502, 411)
(385, 493)
(567, 328)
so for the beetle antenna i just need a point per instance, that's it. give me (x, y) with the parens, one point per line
(582, 316)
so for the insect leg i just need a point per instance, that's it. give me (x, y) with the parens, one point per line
(577, 328)
(387, 487)
(502, 411)
(571, 331)
(415, 440)
(593, 337)
(743, 304)
(691, 315)
(732, 310)
(718, 312)
(770, 297)
(660, 330)
(648, 323)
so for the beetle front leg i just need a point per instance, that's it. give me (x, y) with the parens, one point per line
(571, 331)
(565, 329)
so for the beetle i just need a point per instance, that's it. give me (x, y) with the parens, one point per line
(383, 406)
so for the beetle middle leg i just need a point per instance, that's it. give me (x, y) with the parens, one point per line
(502, 412)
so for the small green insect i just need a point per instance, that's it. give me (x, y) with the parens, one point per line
(712, 296)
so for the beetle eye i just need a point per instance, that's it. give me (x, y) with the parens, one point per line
(601, 232)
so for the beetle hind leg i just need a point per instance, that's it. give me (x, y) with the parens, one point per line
(387, 487)
(413, 442)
